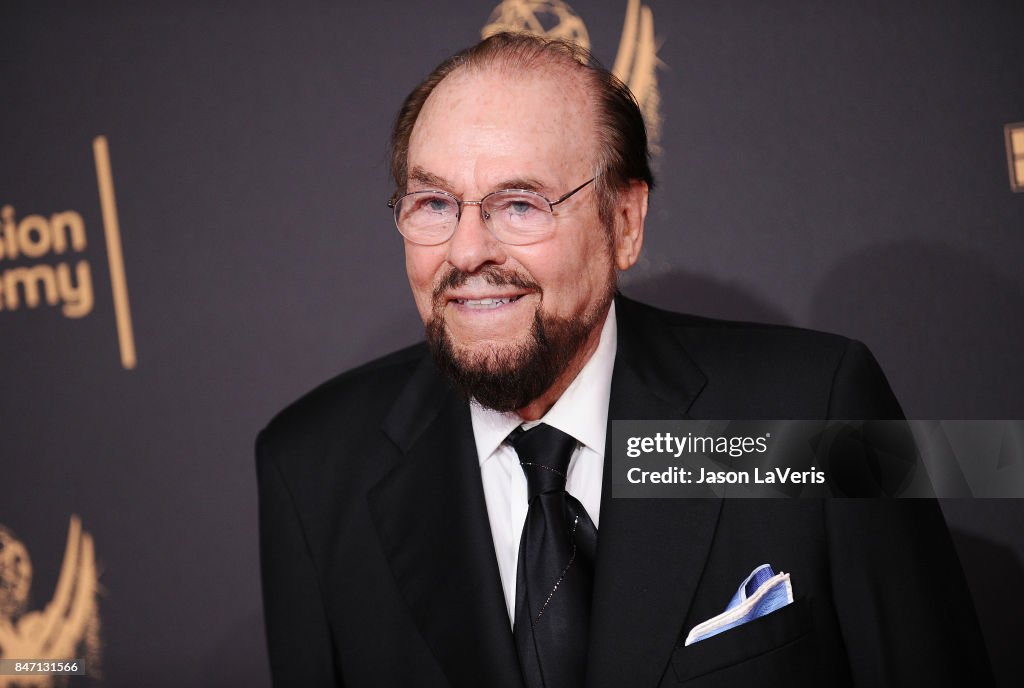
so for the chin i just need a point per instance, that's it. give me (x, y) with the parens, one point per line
(488, 356)
(488, 345)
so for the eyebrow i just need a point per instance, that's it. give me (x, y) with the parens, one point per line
(525, 183)
(420, 176)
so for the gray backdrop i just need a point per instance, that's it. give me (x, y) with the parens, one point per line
(822, 165)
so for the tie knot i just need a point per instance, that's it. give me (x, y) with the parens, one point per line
(544, 454)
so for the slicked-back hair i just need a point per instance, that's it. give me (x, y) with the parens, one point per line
(623, 156)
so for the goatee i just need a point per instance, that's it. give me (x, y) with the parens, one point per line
(509, 378)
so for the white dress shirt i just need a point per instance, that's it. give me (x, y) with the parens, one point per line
(581, 411)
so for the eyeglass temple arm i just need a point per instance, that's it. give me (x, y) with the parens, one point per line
(566, 196)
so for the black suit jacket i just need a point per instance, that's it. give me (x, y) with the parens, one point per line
(379, 568)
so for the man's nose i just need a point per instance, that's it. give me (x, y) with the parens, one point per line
(473, 245)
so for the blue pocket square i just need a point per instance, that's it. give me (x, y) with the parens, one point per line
(762, 592)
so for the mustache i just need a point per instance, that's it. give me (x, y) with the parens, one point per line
(492, 274)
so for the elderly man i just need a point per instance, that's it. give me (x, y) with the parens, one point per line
(442, 516)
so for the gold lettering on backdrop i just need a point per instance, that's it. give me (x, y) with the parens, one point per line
(78, 298)
(67, 284)
(30, 279)
(64, 225)
(30, 286)
(34, 236)
(1015, 154)
(68, 626)
(636, 62)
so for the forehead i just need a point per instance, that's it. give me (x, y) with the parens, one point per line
(482, 125)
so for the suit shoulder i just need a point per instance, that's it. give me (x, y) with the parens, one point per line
(361, 395)
(761, 370)
(764, 339)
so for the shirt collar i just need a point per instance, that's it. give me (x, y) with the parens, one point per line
(581, 411)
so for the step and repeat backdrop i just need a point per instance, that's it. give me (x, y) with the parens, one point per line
(193, 232)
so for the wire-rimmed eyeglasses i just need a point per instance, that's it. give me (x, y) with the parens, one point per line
(514, 216)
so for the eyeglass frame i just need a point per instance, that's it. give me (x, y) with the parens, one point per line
(393, 204)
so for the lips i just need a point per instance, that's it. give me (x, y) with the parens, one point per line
(487, 303)
(490, 289)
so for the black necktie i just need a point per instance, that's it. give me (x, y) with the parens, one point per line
(556, 565)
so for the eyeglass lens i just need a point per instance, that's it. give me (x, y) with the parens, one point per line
(430, 217)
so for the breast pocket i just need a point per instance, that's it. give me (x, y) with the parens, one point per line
(777, 648)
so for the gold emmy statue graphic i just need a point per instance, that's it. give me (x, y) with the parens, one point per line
(67, 627)
(635, 63)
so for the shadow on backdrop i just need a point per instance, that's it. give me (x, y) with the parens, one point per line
(240, 657)
(945, 325)
(702, 295)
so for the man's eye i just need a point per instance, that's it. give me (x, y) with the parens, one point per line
(433, 204)
(520, 207)
(517, 206)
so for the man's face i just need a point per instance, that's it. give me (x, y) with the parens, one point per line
(478, 132)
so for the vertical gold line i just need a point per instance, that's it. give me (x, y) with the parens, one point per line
(1013, 156)
(1018, 157)
(1010, 161)
(115, 258)
(627, 43)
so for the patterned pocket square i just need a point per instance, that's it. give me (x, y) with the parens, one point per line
(762, 592)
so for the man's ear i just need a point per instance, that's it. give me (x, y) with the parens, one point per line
(630, 213)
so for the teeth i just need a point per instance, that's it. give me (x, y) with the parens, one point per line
(486, 303)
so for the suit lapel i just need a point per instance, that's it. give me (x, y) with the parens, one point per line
(651, 552)
(432, 522)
